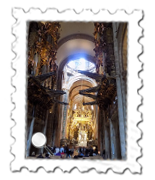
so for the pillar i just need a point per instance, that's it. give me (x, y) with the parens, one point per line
(30, 133)
(120, 100)
(99, 130)
(115, 137)
(107, 142)
(50, 126)
(56, 128)
(106, 138)
(112, 140)
(45, 128)
(64, 114)
(53, 129)
(102, 131)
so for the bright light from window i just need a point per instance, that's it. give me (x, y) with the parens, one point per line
(81, 64)
(72, 64)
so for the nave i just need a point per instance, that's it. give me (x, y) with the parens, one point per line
(76, 88)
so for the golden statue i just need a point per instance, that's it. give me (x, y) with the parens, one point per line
(89, 113)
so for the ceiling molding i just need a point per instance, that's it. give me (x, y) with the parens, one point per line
(75, 36)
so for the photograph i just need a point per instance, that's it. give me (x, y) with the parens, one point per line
(76, 90)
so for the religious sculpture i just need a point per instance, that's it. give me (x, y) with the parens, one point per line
(81, 123)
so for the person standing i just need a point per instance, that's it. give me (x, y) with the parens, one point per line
(67, 152)
(61, 149)
(104, 154)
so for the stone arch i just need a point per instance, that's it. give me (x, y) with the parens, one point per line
(124, 50)
(84, 46)
(76, 98)
(122, 38)
(63, 121)
(75, 46)
(66, 60)
(75, 36)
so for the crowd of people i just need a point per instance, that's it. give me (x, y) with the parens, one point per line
(66, 152)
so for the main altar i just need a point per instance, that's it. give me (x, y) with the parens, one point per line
(81, 127)
(82, 138)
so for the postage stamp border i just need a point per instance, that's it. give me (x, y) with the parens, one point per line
(11, 57)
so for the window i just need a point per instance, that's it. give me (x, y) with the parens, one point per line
(81, 64)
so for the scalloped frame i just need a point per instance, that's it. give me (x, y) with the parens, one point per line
(9, 55)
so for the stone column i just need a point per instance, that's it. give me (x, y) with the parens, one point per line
(45, 127)
(60, 125)
(123, 71)
(117, 140)
(115, 137)
(96, 123)
(50, 127)
(63, 122)
(106, 138)
(54, 124)
(120, 35)
(120, 100)
(99, 130)
(30, 133)
(107, 142)
(112, 140)
(102, 131)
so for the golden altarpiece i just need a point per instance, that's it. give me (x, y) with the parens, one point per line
(80, 129)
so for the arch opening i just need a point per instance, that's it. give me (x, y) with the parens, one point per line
(80, 127)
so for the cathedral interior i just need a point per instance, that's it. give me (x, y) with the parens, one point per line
(76, 85)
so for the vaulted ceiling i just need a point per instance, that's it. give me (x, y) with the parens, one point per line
(75, 38)
(74, 92)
